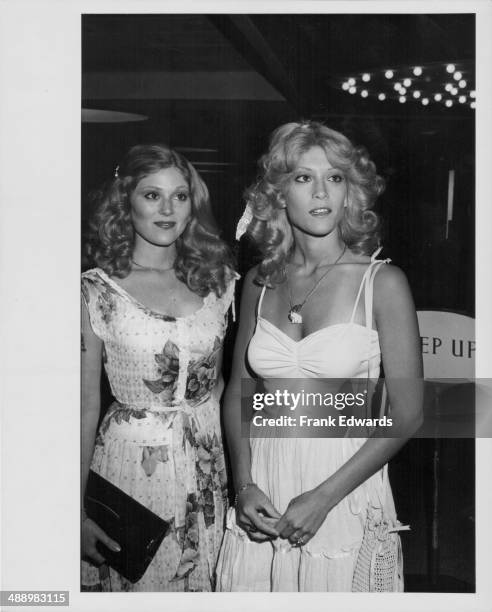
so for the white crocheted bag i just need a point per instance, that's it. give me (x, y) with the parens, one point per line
(379, 565)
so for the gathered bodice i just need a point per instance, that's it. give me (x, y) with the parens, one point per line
(336, 351)
(343, 350)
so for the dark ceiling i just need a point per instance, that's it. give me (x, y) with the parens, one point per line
(192, 42)
(156, 42)
(302, 56)
(225, 81)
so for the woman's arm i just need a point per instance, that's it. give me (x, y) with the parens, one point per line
(91, 377)
(396, 322)
(251, 501)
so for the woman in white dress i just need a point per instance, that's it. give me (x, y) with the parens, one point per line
(318, 306)
(154, 312)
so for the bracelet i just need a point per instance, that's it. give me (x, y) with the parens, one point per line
(241, 489)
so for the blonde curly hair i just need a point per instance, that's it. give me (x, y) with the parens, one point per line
(270, 228)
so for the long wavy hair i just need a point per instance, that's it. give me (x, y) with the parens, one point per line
(270, 228)
(204, 262)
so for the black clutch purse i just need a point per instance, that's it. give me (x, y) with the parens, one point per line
(137, 530)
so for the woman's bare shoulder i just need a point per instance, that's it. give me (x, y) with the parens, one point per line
(250, 282)
(250, 290)
(390, 278)
(392, 293)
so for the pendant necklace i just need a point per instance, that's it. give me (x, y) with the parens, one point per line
(151, 268)
(294, 315)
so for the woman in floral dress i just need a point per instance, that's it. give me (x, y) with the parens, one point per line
(154, 312)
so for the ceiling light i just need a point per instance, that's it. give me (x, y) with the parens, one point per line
(403, 91)
(351, 81)
(352, 90)
(425, 101)
(454, 91)
(462, 99)
(462, 83)
(472, 104)
(438, 97)
(389, 74)
(364, 93)
(457, 76)
(407, 82)
(450, 68)
(417, 71)
(402, 99)
(448, 86)
(472, 94)
(366, 77)
(381, 96)
(449, 103)
(416, 94)
(397, 86)
(345, 86)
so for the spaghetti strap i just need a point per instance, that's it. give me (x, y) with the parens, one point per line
(367, 282)
(369, 293)
(233, 301)
(376, 253)
(258, 310)
(373, 268)
(361, 287)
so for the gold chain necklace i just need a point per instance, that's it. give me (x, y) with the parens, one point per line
(294, 315)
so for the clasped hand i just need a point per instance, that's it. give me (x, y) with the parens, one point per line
(90, 536)
(303, 517)
(256, 515)
(299, 523)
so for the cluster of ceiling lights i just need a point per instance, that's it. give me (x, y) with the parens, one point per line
(447, 84)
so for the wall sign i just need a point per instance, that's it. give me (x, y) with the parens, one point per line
(448, 344)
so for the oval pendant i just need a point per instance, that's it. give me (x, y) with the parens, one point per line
(294, 315)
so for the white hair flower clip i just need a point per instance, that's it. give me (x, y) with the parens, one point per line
(244, 221)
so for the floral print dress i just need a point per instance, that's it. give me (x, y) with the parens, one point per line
(160, 441)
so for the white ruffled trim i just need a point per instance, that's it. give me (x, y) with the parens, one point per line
(245, 565)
